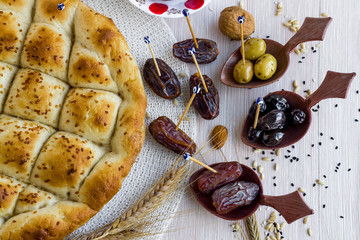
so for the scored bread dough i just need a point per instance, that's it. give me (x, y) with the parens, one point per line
(72, 107)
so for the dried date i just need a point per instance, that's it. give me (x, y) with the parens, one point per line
(167, 85)
(206, 103)
(205, 53)
(234, 195)
(226, 172)
(164, 131)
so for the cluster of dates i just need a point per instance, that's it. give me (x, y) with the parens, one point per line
(227, 192)
(275, 115)
(167, 86)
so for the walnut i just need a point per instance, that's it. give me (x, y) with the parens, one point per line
(229, 25)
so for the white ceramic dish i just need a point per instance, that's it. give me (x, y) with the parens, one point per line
(169, 8)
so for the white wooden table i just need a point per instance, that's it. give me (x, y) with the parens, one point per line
(339, 52)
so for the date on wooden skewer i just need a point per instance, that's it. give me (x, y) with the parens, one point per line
(167, 85)
(205, 103)
(164, 132)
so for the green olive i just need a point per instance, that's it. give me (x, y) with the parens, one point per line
(265, 67)
(254, 48)
(243, 72)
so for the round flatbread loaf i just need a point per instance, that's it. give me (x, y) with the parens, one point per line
(72, 107)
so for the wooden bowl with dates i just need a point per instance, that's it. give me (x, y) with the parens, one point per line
(291, 206)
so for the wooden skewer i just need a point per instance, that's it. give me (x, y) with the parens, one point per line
(241, 20)
(188, 157)
(196, 90)
(148, 42)
(186, 13)
(192, 53)
(259, 102)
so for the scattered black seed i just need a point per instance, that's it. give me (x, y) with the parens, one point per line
(254, 169)
(267, 36)
(274, 177)
(349, 169)
(341, 216)
(294, 158)
(331, 138)
(314, 184)
(234, 230)
(303, 58)
(321, 134)
(314, 51)
(336, 170)
(300, 61)
(309, 155)
(336, 105)
(271, 153)
(357, 91)
(247, 158)
(312, 48)
(359, 109)
(268, 234)
(272, 160)
(323, 205)
(288, 151)
(336, 147)
(274, 184)
(356, 120)
(291, 160)
(263, 152)
(320, 143)
(324, 176)
(293, 146)
(314, 110)
(287, 156)
(304, 194)
(326, 186)
(282, 237)
(280, 215)
(318, 106)
(339, 164)
(292, 184)
(312, 145)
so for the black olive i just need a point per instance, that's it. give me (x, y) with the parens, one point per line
(274, 119)
(276, 102)
(273, 138)
(254, 134)
(297, 117)
(252, 110)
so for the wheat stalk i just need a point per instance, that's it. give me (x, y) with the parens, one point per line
(252, 227)
(133, 222)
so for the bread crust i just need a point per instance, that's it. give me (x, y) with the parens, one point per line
(98, 34)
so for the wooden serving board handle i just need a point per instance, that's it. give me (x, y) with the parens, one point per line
(312, 29)
(335, 85)
(291, 206)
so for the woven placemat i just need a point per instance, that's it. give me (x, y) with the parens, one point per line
(154, 159)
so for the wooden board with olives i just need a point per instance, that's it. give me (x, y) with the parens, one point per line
(257, 62)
